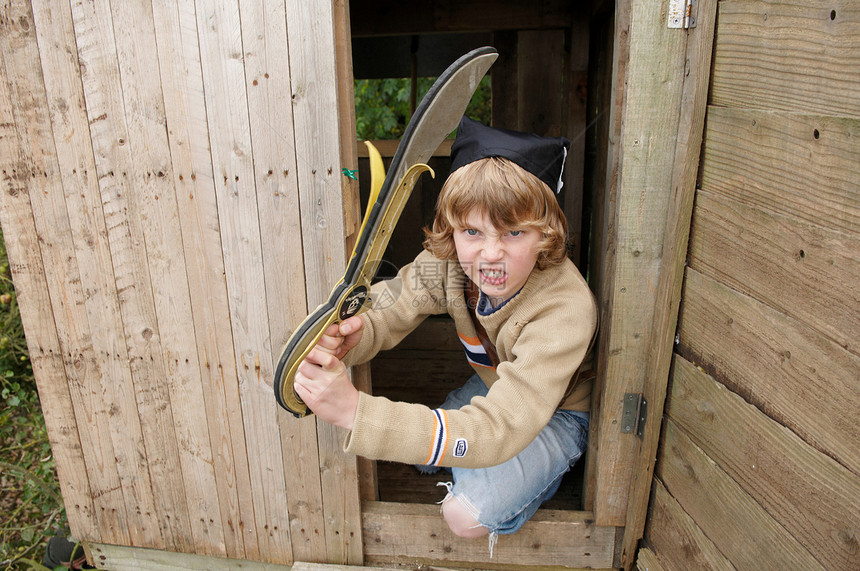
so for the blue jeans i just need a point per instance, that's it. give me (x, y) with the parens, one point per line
(502, 498)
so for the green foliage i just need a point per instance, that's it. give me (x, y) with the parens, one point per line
(382, 106)
(31, 509)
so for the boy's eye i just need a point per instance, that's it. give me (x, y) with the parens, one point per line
(470, 232)
(515, 233)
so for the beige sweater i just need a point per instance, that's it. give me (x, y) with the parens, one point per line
(541, 337)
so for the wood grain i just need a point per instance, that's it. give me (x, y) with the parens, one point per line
(808, 494)
(226, 102)
(803, 166)
(757, 253)
(792, 373)
(634, 242)
(674, 253)
(790, 55)
(676, 536)
(18, 163)
(737, 525)
(188, 138)
(568, 539)
(318, 134)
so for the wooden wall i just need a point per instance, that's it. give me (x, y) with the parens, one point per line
(171, 186)
(759, 464)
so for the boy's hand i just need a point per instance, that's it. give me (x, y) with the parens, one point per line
(339, 338)
(321, 380)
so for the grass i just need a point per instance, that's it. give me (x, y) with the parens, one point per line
(31, 509)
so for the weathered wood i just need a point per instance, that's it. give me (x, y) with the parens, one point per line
(540, 56)
(154, 193)
(634, 242)
(17, 161)
(125, 200)
(794, 374)
(318, 132)
(219, 30)
(574, 125)
(127, 558)
(562, 538)
(427, 16)
(85, 301)
(758, 252)
(754, 157)
(680, 542)
(352, 214)
(268, 84)
(387, 148)
(601, 178)
(726, 511)
(808, 494)
(674, 251)
(646, 560)
(185, 113)
(790, 55)
(505, 79)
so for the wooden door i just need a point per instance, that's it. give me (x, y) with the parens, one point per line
(759, 465)
(173, 205)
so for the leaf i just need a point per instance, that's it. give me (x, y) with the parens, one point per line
(27, 534)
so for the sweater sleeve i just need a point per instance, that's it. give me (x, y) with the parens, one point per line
(541, 358)
(399, 305)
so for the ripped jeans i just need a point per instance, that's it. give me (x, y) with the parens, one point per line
(502, 498)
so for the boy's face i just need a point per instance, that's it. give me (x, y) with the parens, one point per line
(498, 261)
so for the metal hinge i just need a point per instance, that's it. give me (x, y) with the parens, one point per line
(633, 415)
(682, 13)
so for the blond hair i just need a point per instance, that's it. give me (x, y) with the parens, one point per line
(510, 196)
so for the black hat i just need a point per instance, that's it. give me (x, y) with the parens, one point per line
(542, 156)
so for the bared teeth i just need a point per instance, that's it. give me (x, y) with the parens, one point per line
(493, 276)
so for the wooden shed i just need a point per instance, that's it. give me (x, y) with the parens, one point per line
(174, 203)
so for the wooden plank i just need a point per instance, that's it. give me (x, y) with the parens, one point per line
(301, 566)
(758, 252)
(671, 275)
(794, 374)
(68, 447)
(318, 132)
(607, 63)
(677, 539)
(388, 17)
(387, 148)
(540, 56)
(345, 90)
(790, 55)
(726, 511)
(267, 76)
(646, 560)
(752, 156)
(185, 113)
(575, 126)
(119, 482)
(504, 83)
(219, 29)
(137, 59)
(127, 558)
(563, 538)
(123, 206)
(807, 493)
(634, 242)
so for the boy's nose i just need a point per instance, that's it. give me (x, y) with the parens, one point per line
(493, 251)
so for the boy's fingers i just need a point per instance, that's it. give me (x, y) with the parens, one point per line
(322, 358)
(351, 325)
(332, 330)
(330, 342)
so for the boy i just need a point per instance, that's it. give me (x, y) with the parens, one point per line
(495, 261)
